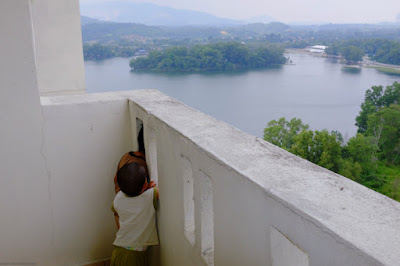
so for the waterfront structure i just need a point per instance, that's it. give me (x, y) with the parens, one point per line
(226, 197)
(318, 49)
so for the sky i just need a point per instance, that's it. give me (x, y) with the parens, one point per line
(289, 11)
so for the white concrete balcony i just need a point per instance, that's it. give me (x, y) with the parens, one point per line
(226, 198)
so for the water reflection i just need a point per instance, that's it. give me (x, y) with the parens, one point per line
(351, 69)
(237, 72)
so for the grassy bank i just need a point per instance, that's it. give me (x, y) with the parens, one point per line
(387, 70)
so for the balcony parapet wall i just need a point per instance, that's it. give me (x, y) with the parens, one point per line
(268, 206)
(226, 197)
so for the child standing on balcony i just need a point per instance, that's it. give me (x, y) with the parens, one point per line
(134, 209)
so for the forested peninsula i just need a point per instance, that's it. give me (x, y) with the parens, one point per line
(226, 56)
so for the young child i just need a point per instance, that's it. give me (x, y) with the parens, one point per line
(134, 210)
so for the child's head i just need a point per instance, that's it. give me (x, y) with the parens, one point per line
(131, 178)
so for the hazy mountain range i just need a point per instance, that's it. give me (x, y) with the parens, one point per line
(152, 14)
(86, 20)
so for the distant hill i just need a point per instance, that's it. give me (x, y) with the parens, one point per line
(113, 31)
(151, 14)
(87, 20)
(109, 31)
(261, 19)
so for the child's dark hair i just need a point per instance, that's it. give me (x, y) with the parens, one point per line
(131, 178)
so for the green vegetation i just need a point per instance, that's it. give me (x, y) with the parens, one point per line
(387, 70)
(371, 158)
(352, 54)
(211, 57)
(379, 42)
(383, 51)
(98, 51)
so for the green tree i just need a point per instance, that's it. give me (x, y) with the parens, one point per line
(319, 147)
(361, 149)
(352, 54)
(282, 132)
(375, 99)
(333, 49)
(394, 190)
(350, 169)
(384, 126)
(97, 51)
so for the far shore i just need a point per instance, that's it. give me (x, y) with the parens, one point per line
(366, 62)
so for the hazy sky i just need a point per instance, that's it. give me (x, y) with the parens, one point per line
(338, 11)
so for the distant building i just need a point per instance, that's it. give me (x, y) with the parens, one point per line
(318, 49)
(141, 52)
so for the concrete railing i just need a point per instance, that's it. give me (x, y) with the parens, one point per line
(226, 198)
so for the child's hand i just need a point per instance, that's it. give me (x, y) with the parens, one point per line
(152, 184)
(147, 186)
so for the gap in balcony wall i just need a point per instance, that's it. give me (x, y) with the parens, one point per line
(140, 135)
(151, 152)
(188, 202)
(207, 218)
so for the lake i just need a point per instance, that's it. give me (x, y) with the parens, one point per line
(320, 92)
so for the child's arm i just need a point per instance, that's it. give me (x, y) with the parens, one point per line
(116, 219)
(116, 216)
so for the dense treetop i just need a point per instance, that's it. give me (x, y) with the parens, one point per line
(98, 51)
(383, 51)
(211, 57)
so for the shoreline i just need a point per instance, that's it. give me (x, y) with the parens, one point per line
(304, 51)
(386, 68)
(366, 62)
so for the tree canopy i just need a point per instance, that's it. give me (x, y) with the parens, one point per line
(380, 50)
(210, 57)
(352, 54)
(375, 99)
(99, 51)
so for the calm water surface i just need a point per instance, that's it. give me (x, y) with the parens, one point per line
(320, 92)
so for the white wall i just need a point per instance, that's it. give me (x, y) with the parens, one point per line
(58, 46)
(24, 198)
(85, 136)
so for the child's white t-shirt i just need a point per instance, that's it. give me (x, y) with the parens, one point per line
(137, 220)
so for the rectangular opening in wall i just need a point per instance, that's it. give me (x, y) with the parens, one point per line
(151, 152)
(140, 138)
(188, 202)
(207, 218)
